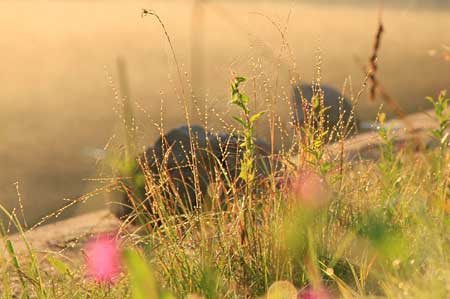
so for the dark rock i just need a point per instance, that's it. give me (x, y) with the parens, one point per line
(332, 101)
(170, 165)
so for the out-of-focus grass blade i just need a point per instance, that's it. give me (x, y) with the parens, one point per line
(142, 280)
(59, 265)
(16, 264)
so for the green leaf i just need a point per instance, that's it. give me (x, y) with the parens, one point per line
(256, 116)
(235, 98)
(240, 121)
(12, 253)
(245, 99)
(326, 166)
(430, 99)
(239, 80)
(143, 284)
(437, 133)
(315, 102)
(16, 264)
(59, 265)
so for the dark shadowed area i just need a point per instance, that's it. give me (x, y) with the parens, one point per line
(59, 74)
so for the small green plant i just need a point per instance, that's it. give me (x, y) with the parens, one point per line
(441, 134)
(315, 132)
(389, 166)
(247, 121)
(384, 132)
(442, 114)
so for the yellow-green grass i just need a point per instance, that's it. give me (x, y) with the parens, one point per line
(56, 99)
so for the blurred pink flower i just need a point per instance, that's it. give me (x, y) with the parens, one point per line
(310, 293)
(309, 189)
(103, 258)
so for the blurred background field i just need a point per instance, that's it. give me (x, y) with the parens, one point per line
(57, 101)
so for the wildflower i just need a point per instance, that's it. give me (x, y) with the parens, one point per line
(103, 258)
(309, 189)
(311, 293)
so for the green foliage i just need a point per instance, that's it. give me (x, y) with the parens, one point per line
(15, 263)
(389, 166)
(387, 238)
(61, 267)
(315, 132)
(142, 280)
(384, 235)
(247, 122)
(442, 115)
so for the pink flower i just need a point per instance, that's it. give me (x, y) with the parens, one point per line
(103, 258)
(310, 293)
(309, 189)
